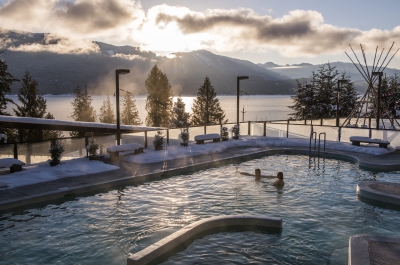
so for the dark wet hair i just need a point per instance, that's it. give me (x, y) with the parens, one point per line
(280, 175)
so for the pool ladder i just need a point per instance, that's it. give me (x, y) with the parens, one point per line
(315, 141)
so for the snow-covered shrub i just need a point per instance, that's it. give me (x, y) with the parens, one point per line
(56, 150)
(158, 140)
(92, 147)
(235, 132)
(184, 136)
(224, 133)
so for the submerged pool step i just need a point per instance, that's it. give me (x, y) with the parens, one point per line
(182, 238)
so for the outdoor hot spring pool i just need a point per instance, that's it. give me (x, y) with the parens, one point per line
(318, 205)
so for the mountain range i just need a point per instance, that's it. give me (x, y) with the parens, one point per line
(60, 72)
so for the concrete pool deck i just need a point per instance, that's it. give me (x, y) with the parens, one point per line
(135, 173)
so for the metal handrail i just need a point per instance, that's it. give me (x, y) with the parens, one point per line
(315, 141)
(319, 141)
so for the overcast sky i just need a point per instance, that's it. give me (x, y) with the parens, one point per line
(285, 31)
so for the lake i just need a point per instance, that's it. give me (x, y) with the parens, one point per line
(256, 107)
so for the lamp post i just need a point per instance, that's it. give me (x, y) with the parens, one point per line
(304, 118)
(117, 73)
(238, 93)
(338, 99)
(378, 114)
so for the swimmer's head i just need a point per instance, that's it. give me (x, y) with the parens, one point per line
(258, 172)
(279, 175)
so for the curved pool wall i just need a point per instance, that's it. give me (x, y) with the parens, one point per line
(140, 179)
(168, 246)
(318, 204)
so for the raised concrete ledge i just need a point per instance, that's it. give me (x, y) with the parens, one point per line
(374, 190)
(361, 253)
(139, 179)
(188, 234)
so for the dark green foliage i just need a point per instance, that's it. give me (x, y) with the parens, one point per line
(180, 118)
(159, 99)
(6, 80)
(107, 114)
(316, 97)
(32, 105)
(130, 114)
(206, 109)
(82, 108)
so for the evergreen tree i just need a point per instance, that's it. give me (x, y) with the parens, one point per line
(32, 105)
(180, 118)
(317, 96)
(206, 109)
(82, 108)
(6, 80)
(107, 114)
(159, 99)
(130, 114)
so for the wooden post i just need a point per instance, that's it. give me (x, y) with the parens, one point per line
(15, 150)
(205, 129)
(145, 139)
(248, 129)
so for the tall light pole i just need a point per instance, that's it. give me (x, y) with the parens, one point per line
(117, 73)
(338, 99)
(238, 94)
(378, 114)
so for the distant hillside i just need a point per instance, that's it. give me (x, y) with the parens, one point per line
(61, 73)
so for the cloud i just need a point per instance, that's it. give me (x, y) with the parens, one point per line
(56, 44)
(83, 18)
(166, 29)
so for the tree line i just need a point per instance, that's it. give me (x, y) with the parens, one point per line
(161, 111)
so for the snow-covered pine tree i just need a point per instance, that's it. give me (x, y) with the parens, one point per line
(159, 99)
(206, 109)
(32, 105)
(82, 108)
(347, 97)
(6, 80)
(107, 114)
(180, 118)
(130, 114)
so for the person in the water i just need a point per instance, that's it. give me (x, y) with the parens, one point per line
(258, 176)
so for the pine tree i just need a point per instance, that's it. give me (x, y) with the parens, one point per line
(159, 99)
(206, 109)
(316, 97)
(32, 105)
(6, 80)
(130, 114)
(180, 118)
(107, 114)
(82, 108)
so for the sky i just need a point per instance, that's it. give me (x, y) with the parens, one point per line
(284, 32)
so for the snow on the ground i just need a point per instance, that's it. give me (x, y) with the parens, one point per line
(173, 152)
(43, 172)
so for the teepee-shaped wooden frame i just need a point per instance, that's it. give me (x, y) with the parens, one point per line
(363, 108)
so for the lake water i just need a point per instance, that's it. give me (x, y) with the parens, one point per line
(257, 108)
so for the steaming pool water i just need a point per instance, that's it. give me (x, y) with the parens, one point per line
(318, 205)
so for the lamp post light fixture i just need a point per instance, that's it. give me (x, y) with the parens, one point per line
(117, 73)
(338, 99)
(238, 94)
(378, 113)
(304, 118)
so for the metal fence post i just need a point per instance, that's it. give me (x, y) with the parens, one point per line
(248, 129)
(205, 129)
(265, 128)
(145, 139)
(340, 133)
(167, 137)
(15, 150)
(287, 129)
